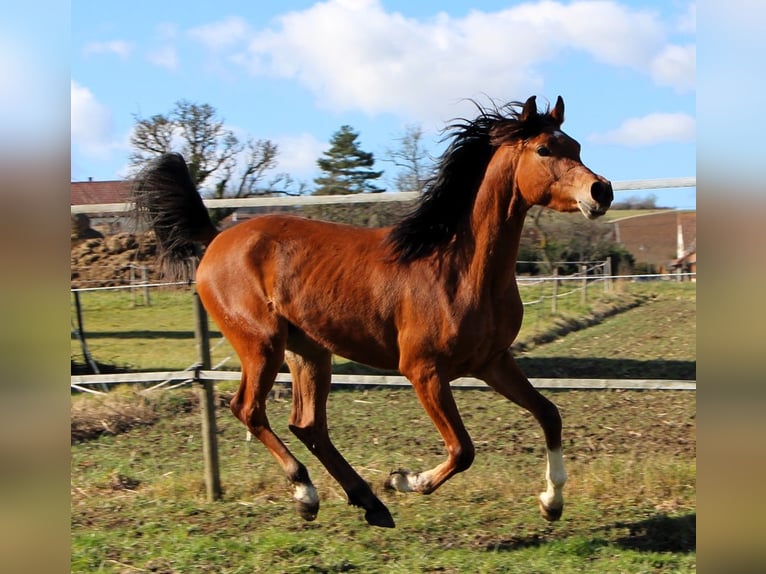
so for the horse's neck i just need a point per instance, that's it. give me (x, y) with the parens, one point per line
(496, 228)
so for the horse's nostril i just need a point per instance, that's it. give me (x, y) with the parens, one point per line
(601, 191)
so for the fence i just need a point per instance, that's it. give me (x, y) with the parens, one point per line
(593, 275)
(202, 373)
(617, 186)
(589, 272)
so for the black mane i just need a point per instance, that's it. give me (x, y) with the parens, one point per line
(449, 194)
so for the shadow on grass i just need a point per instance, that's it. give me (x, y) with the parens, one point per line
(516, 543)
(143, 334)
(83, 368)
(660, 533)
(548, 368)
(570, 368)
(598, 368)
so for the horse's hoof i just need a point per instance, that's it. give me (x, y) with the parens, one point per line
(379, 517)
(551, 514)
(307, 511)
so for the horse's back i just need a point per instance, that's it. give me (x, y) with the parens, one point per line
(334, 282)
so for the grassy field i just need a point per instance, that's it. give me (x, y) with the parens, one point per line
(137, 495)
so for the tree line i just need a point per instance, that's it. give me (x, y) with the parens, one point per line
(226, 166)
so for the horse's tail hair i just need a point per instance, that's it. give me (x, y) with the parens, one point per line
(166, 198)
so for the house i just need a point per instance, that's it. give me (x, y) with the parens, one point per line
(686, 262)
(658, 240)
(96, 193)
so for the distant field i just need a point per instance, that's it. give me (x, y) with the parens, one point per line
(654, 340)
(613, 214)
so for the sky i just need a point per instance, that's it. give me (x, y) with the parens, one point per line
(294, 72)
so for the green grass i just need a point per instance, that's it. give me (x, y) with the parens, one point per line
(654, 340)
(630, 501)
(140, 337)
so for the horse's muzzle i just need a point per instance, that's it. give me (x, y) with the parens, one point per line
(601, 196)
(601, 192)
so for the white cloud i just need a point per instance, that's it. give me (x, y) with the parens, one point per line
(221, 35)
(91, 124)
(353, 54)
(650, 130)
(164, 57)
(298, 154)
(119, 48)
(676, 66)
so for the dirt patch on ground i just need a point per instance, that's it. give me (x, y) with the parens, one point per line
(125, 409)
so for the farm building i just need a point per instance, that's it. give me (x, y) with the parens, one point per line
(84, 193)
(100, 192)
(664, 241)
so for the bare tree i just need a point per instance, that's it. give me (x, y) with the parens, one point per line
(219, 163)
(246, 180)
(205, 143)
(411, 160)
(555, 238)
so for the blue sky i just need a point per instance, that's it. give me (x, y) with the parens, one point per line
(294, 71)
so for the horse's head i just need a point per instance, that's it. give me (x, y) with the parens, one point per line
(548, 170)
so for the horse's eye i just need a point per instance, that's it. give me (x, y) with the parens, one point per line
(543, 151)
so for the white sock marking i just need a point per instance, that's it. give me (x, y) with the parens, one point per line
(409, 481)
(556, 477)
(306, 494)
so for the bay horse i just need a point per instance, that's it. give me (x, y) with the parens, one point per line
(434, 296)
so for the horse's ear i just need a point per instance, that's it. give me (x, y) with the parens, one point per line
(530, 109)
(558, 111)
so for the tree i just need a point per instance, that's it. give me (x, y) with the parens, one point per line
(347, 169)
(411, 159)
(637, 202)
(217, 160)
(551, 239)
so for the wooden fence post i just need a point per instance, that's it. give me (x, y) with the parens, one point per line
(145, 279)
(607, 275)
(555, 301)
(207, 404)
(81, 336)
(584, 271)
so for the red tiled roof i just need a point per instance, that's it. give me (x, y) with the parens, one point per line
(91, 192)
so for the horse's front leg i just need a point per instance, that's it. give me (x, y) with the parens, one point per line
(436, 397)
(503, 375)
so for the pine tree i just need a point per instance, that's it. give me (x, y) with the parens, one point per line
(347, 169)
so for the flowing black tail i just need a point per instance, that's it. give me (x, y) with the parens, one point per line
(167, 199)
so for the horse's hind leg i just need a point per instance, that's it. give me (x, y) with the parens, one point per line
(261, 360)
(310, 366)
(505, 377)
